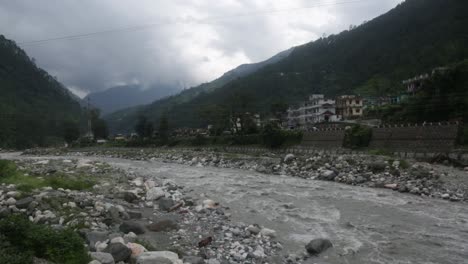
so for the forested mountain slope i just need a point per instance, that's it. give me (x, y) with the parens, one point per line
(34, 107)
(371, 59)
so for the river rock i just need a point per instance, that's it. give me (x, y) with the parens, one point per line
(102, 257)
(268, 232)
(165, 204)
(288, 158)
(24, 203)
(328, 175)
(318, 245)
(136, 249)
(95, 236)
(131, 226)
(10, 201)
(130, 197)
(119, 251)
(159, 257)
(163, 225)
(155, 193)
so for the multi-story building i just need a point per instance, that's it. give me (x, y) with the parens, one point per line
(349, 106)
(316, 110)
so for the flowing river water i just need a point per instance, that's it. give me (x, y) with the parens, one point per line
(365, 225)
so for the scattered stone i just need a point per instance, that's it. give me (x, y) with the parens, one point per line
(193, 260)
(130, 197)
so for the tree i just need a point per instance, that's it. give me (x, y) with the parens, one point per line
(163, 128)
(71, 131)
(140, 127)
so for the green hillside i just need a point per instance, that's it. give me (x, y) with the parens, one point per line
(34, 107)
(371, 59)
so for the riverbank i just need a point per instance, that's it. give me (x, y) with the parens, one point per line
(124, 216)
(375, 171)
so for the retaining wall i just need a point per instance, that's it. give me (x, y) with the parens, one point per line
(331, 138)
(437, 137)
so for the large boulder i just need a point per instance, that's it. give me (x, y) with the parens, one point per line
(318, 245)
(131, 226)
(159, 257)
(119, 251)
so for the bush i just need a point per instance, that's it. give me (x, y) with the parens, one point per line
(272, 136)
(357, 137)
(23, 239)
(7, 169)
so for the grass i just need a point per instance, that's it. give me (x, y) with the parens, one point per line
(9, 174)
(21, 240)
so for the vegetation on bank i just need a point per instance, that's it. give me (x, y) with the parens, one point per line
(10, 174)
(21, 241)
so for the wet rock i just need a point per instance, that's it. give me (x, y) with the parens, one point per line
(4, 212)
(119, 251)
(160, 257)
(131, 226)
(318, 246)
(254, 229)
(165, 204)
(102, 257)
(210, 204)
(163, 225)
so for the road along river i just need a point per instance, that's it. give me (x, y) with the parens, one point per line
(365, 225)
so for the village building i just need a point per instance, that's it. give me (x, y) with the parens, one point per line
(349, 107)
(317, 109)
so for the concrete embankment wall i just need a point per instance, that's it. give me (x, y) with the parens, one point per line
(419, 138)
(437, 137)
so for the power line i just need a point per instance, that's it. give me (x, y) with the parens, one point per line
(198, 21)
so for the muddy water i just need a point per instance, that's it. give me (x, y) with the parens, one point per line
(366, 225)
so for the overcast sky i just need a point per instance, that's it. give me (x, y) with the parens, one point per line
(182, 42)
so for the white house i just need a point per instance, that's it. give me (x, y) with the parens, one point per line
(316, 110)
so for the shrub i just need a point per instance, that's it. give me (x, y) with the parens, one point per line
(357, 137)
(7, 169)
(272, 136)
(22, 238)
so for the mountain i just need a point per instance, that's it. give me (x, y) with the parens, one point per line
(34, 106)
(124, 120)
(125, 96)
(371, 59)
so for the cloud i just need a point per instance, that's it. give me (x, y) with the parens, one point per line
(189, 42)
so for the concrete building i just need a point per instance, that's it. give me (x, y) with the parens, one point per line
(349, 106)
(315, 110)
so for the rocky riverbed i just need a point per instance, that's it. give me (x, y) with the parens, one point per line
(126, 217)
(417, 178)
